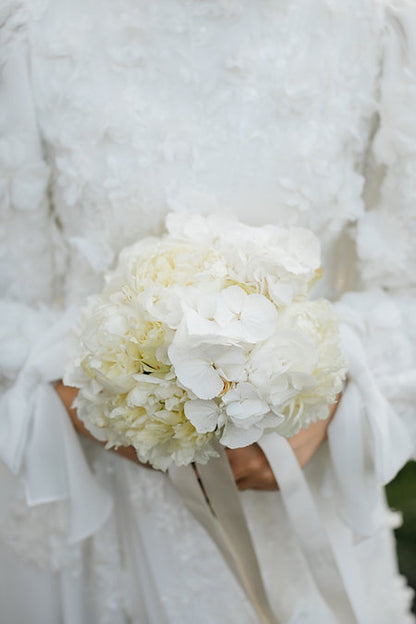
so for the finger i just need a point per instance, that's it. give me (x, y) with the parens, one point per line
(263, 479)
(239, 463)
(251, 469)
(247, 460)
(242, 470)
(263, 484)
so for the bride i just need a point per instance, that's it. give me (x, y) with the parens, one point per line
(114, 113)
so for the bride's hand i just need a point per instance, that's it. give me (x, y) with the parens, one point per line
(67, 395)
(251, 469)
(249, 465)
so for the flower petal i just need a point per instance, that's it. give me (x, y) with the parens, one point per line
(259, 317)
(241, 410)
(235, 437)
(199, 376)
(202, 414)
(232, 364)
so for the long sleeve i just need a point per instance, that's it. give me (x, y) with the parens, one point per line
(386, 234)
(37, 442)
(371, 437)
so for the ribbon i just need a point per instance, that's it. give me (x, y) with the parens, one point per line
(38, 440)
(224, 520)
(308, 526)
(392, 446)
(223, 495)
(368, 441)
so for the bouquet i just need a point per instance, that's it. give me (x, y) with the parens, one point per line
(207, 333)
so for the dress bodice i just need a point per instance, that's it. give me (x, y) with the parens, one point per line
(261, 109)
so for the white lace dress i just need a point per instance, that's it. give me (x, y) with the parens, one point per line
(115, 112)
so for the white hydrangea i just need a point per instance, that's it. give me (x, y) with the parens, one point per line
(300, 370)
(203, 333)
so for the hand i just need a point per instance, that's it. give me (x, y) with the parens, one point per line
(249, 465)
(251, 469)
(67, 395)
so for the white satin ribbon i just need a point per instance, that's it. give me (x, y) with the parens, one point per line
(219, 484)
(228, 527)
(185, 481)
(308, 526)
(44, 363)
(37, 438)
(354, 494)
(368, 442)
(392, 446)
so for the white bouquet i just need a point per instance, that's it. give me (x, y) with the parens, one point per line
(203, 333)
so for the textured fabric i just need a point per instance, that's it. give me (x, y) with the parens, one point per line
(115, 112)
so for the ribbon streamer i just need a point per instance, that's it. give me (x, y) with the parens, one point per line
(224, 520)
(219, 484)
(37, 439)
(306, 523)
(228, 527)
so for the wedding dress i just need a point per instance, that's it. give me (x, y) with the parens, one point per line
(116, 112)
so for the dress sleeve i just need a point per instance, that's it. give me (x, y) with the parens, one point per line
(374, 432)
(37, 441)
